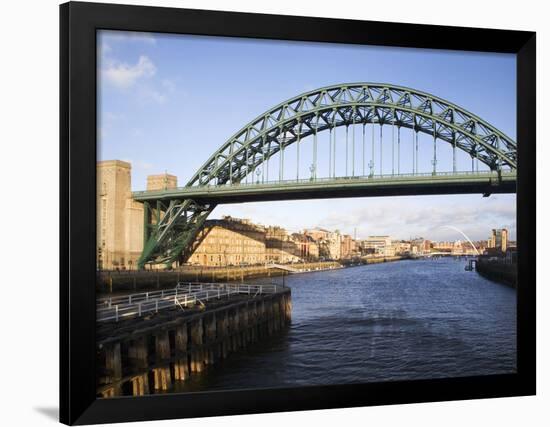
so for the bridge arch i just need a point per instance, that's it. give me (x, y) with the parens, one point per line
(354, 104)
(173, 223)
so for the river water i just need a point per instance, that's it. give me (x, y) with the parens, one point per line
(390, 321)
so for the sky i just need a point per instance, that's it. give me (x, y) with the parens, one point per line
(167, 102)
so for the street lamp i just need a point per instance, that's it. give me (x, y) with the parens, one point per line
(312, 170)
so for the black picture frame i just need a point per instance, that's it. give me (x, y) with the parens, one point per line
(78, 25)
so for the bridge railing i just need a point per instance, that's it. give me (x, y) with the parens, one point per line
(311, 180)
(184, 295)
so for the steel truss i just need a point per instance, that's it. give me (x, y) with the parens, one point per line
(170, 231)
(171, 236)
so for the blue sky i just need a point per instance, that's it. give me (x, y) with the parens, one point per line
(167, 102)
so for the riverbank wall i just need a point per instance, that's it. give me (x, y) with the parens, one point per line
(109, 282)
(507, 274)
(124, 281)
(377, 260)
(147, 357)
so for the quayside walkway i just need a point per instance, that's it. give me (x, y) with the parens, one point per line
(149, 341)
(183, 296)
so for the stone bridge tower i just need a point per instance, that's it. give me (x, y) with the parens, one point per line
(119, 217)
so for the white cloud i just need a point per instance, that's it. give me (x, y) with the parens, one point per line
(140, 77)
(404, 218)
(400, 217)
(123, 75)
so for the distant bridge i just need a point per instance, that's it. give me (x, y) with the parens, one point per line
(431, 254)
(239, 171)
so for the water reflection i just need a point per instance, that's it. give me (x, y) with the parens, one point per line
(401, 320)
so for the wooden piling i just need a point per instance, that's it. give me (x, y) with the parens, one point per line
(113, 363)
(288, 308)
(197, 358)
(181, 365)
(160, 356)
(276, 315)
(222, 331)
(162, 375)
(210, 337)
(137, 356)
(269, 316)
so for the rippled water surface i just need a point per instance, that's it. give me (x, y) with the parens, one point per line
(400, 320)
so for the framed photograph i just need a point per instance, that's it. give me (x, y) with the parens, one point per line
(266, 213)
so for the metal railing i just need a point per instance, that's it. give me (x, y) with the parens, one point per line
(184, 295)
(313, 180)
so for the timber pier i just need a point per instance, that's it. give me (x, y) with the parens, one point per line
(146, 342)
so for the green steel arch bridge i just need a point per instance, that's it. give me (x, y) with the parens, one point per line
(351, 166)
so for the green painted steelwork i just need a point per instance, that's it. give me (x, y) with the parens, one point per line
(279, 190)
(171, 237)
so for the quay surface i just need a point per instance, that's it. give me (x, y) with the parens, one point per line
(144, 350)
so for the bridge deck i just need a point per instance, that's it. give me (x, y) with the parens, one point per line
(359, 186)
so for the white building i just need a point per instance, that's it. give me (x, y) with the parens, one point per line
(378, 245)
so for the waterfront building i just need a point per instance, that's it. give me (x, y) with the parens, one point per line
(280, 248)
(498, 240)
(347, 246)
(329, 242)
(229, 242)
(119, 236)
(317, 234)
(306, 247)
(378, 245)
(445, 246)
(401, 247)
(333, 245)
(427, 246)
(419, 246)
(458, 248)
